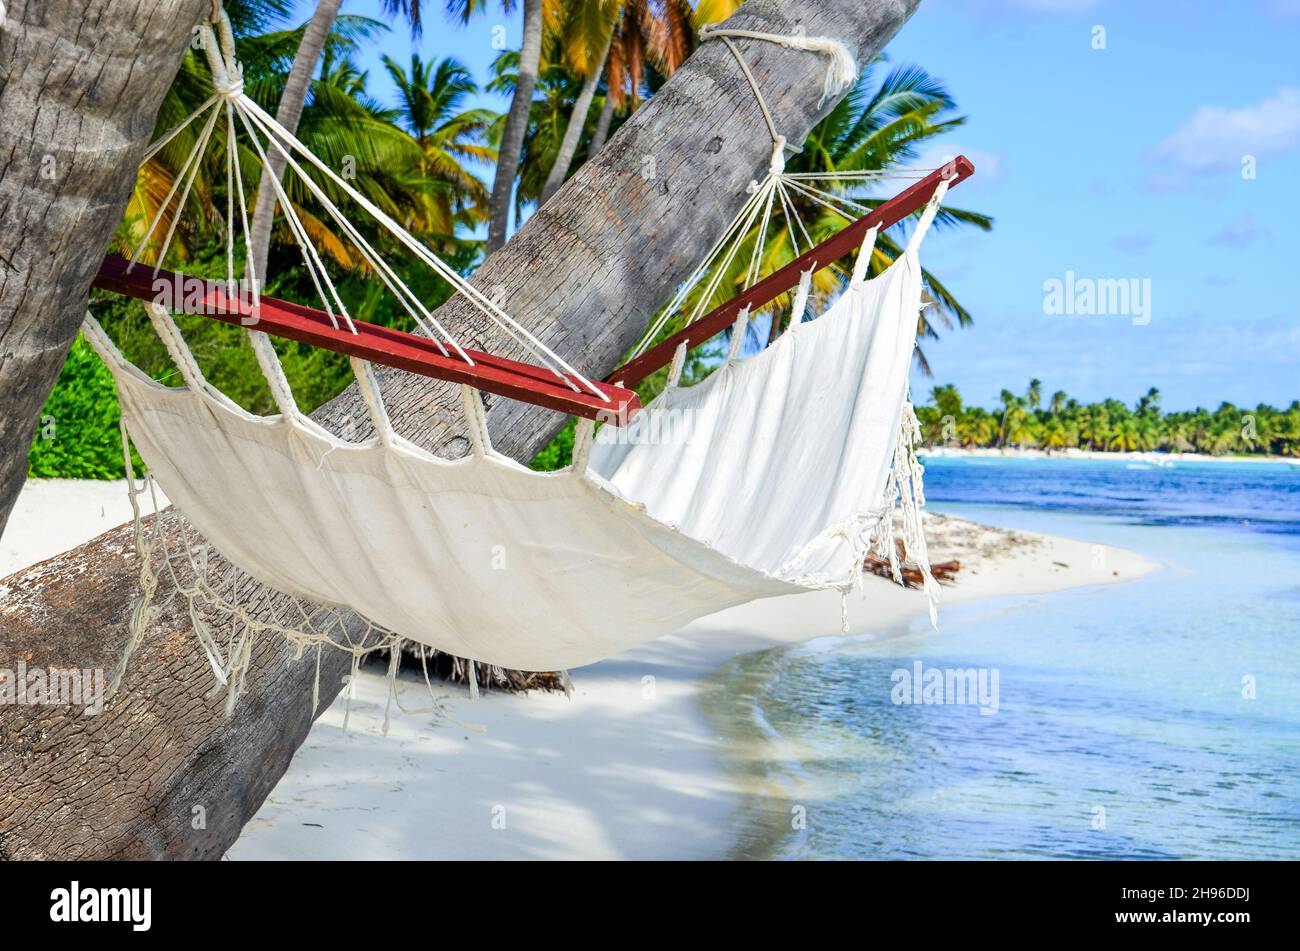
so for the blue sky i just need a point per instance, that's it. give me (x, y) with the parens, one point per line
(1117, 163)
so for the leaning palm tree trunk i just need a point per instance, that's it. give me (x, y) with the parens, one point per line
(67, 164)
(603, 122)
(573, 129)
(134, 780)
(512, 135)
(287, 113)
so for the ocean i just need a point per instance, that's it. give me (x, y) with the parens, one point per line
(1155, 719)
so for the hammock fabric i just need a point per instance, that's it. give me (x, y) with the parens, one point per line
(783, 470)
(486, 559)
(782, 461)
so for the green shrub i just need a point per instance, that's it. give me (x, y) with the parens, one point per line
(77, 434)
(557, 453)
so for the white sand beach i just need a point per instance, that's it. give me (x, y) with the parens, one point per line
(1153, 458)
(627, 767)
(54, 515)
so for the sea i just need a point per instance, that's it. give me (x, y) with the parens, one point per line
(1152, 719)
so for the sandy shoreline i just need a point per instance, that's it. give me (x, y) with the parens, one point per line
(1153, 458)
(628, 767)
(54, 515)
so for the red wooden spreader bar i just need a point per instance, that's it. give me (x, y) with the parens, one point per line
(383, 345)
(888, 213)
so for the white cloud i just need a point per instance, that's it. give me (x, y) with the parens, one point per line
(1240, 232)
(1216, 138)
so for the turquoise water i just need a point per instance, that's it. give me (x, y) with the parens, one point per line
(1125, 726)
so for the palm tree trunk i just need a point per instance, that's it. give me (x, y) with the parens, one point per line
(67, 165)
(774, 331)
(162, 746)
(573, 129)
(512, 136)
(287, 114)
(601, 132)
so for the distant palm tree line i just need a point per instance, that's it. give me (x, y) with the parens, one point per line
(1060, 422)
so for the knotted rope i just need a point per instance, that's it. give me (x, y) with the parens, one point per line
(778, 188)
(840, 74)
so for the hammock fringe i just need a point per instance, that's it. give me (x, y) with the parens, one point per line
(186, 568)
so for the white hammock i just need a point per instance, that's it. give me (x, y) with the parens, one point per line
(787, 475)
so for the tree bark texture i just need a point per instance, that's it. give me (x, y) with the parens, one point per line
(80, 86)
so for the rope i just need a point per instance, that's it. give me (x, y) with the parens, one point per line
(368, 384)
(181, 355)
(269, 362)
(864, 256)
(730, 238)
(227, 76)
(800, 299)
(841, 73)
(476, 297)
(738, 331)
(927, 216)
(582, 439)
(776, 186)
(675, 369)
(753, 84)
(476, 418)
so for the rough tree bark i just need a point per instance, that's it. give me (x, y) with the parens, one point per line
(80, 85)
(586, 272)
(512, 134)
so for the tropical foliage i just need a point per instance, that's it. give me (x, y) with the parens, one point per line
(420, 161)
(1026, 421)
(77, 435)
(426, 158)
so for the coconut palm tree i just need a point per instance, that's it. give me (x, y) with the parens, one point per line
(1054, 435)
(348, 130)
(976, 429)
(1013, 408)
(1149, 404)
(947, 400)
(584, 41)
(620, 34)
(1111, 425)
(288, 112)
(553, 98)
(1127, 436)
(516, 122)
(1094, 427)
(1034, 395)
(345, 123)
(431, 96)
